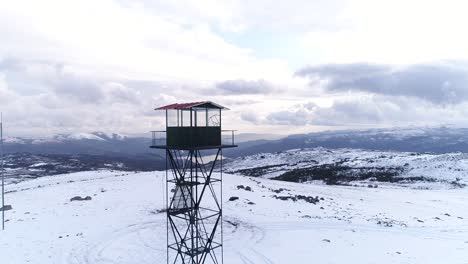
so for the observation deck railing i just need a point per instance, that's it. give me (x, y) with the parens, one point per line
(159, 138)
(227, 137)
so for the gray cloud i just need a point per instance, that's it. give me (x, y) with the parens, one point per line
(43, 97)
(80, 89)
(9, 64)
(359, 112)
(59, 80)
(294, 117)
(250, 117)
(378, 110)
(443, 83)
(118, 92)
(244, 87)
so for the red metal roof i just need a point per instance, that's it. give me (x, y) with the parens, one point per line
(207, 104)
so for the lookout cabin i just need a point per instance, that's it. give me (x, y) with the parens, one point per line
(194, 125)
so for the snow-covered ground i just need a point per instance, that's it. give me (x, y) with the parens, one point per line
(121, 224)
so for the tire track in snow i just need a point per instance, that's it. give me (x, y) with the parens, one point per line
(248, 236)
(99, 251)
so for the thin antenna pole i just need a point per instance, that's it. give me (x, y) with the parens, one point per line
(167, 211)
(222, 213)
(3, 175)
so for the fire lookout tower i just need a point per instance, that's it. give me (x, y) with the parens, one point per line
(194, 143)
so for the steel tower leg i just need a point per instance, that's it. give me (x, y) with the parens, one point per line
(194, 212)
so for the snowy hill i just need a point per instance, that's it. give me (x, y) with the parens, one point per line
(120, 223)
(25, 166)
(357, 167)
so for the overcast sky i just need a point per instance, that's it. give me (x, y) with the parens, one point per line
(281, 66)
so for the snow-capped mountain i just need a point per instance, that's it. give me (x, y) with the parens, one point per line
(100, 136)
(14, 140)
(96, 143)
(58, 138)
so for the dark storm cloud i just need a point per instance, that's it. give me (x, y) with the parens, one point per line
(444, 83)
(244, 87)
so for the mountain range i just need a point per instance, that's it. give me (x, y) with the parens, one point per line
(419, 139)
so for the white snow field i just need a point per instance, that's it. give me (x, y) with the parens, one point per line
(121, 223)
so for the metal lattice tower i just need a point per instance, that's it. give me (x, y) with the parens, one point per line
(193, 191)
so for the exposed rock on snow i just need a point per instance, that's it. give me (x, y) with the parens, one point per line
(6, 208)
(295, 198)
(79, 198)
(247, 188)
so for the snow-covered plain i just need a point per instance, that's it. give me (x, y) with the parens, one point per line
(121, 223)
